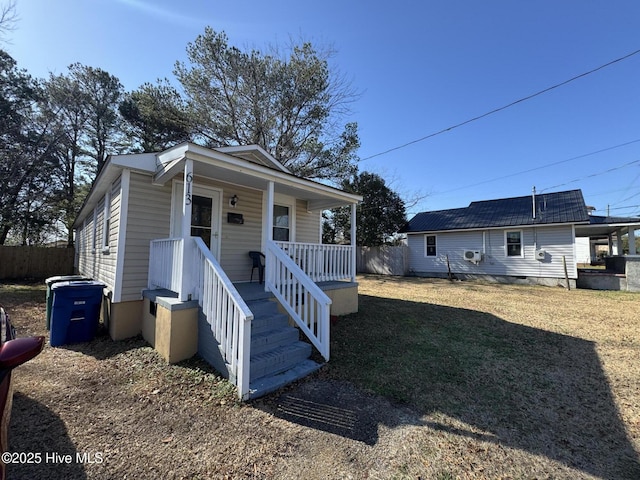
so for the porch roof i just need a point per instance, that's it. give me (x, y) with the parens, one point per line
(250, 166)
(231, 168)
(601, 226)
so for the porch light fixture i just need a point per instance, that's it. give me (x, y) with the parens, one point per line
(233, 201)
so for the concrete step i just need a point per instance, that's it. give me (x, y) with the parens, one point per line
(278, 360)
(271, 383)
(265, 341)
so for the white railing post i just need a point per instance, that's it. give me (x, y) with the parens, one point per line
(187, 200)
(269, 231)
(352, 264)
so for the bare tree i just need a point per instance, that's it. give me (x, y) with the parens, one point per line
(8, 19)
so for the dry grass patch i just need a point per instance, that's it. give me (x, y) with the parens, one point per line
(513, 381)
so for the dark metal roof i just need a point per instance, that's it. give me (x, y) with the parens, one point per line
(557, 207)
(601, 220)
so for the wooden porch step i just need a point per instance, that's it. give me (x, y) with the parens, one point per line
(278, 360)
(267, 323)
(264, 385)
(272, 339)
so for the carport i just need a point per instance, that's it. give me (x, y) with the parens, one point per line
(622, 271)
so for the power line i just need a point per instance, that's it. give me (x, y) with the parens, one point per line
(496, 110)
(613, 169)
(616, 208)
(540, 167)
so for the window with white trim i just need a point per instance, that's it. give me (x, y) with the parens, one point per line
(281, 223)
(106, 222)
(513, 243)
(94, 240)
(429, 245)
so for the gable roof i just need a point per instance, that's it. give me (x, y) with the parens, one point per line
(255, 154)
(551, 208)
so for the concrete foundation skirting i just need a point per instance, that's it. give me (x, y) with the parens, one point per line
(170, 326)
(123, 319)
(344, 300)
(602, 281)
(633, 273)
(507, 279)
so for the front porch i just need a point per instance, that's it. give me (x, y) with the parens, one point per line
(225, 205)
(250, 332)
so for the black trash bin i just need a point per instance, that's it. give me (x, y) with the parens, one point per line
(49, 282)
(75, 312)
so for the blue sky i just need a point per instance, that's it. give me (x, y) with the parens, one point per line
(421, 67)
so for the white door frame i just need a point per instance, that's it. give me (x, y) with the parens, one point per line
(216, 194)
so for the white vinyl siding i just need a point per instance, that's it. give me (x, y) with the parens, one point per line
(308, 224)
(93, 261)
(557, 241)
(237, 240)
(147, 219)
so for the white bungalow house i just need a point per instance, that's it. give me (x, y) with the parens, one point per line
(528, 239)
(170, 233)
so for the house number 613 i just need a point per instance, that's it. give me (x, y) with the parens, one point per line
(189, 178)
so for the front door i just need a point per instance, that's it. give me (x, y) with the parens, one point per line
(205, 215)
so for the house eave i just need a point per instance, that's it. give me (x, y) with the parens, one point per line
(171, 162)
(504, 227)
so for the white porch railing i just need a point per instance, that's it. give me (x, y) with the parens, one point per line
(165, 264)
(226, 312)
(305, 302)
(322, 262)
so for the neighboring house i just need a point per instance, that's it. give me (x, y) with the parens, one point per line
(170, 233)
(528, 239)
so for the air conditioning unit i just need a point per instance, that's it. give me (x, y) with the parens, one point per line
(541, 254)
(474, 256)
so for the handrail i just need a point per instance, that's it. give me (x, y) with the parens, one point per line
(226, 312)
(305, 302)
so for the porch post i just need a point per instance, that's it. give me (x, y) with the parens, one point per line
(269, 233)
(632, 241)
(619, 249)
(353, 242)
(610, 244)
(187, 200)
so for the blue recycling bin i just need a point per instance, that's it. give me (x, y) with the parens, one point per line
(49, 283)
(75, 312)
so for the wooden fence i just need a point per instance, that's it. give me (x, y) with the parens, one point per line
(35, 262)
(383, 260)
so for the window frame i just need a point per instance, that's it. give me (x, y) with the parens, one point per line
(506, 243)
(106, 222)
(94, 228)
(289, 222)
(426, 245)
